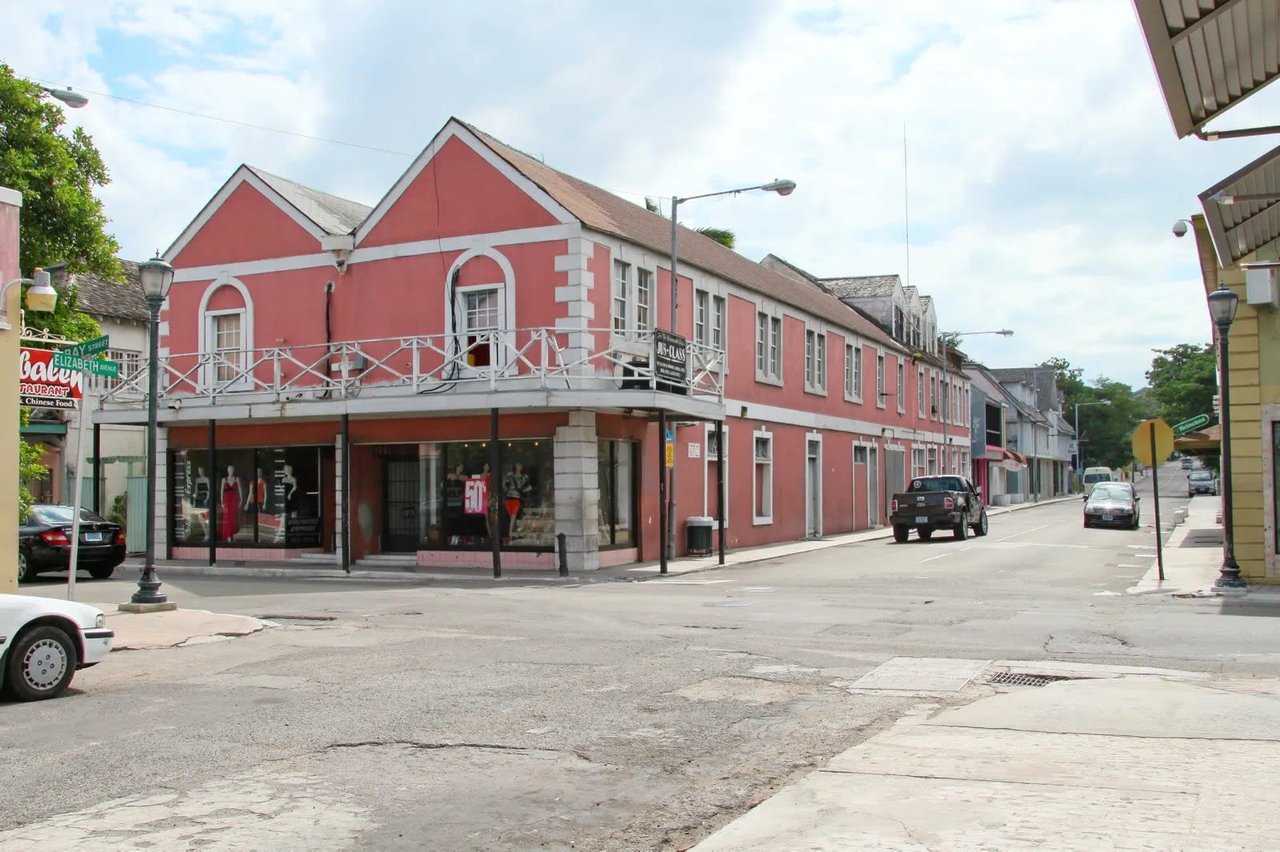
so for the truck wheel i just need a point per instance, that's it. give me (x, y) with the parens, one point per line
(962, 528)
(900, 532)
(980, 528)
(925, 533)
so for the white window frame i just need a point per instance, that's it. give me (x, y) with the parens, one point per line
(621, 298)
(815, 361)
(932, 463)
(917, 462)
(130, 360)
(644, 299)
(768, 347)
(498, 353)
(761, 493)
(920, 386)
(205, 332)
(701, 315)
(880, 367)
(238, 365)
(719, 319)
(902, 385)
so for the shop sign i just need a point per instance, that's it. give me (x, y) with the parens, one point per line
(475, 499)
(670, 357)
(40, 383)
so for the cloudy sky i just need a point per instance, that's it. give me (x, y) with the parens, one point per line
(1043, 174)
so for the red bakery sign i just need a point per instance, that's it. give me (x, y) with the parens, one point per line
(42, 384)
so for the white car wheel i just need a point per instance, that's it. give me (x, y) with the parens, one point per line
(41, 663)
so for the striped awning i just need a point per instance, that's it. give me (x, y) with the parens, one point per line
(1210, 54)
(1253, 219)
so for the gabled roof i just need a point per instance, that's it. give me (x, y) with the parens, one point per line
(861, 286)
(99, 297)
(601, 210)
(333, 214)
(1209, 54)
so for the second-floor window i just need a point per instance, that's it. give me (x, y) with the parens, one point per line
(227, 336)
(902, 385)
(920, 393)
(708, 320)
(815, 360)
(947, 413)
(768, 347)
(853, 371)
(130, 361)
(632, 298)
(880, 394)
(480, 318)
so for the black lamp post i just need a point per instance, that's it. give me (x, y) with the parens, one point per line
(1222, 308)
(157, 278)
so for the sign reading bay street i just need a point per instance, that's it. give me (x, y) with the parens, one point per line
(670, 358)
(1191, 424)
(89, 347)
(110, 369)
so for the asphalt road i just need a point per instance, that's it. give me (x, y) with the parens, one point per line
(626, 715)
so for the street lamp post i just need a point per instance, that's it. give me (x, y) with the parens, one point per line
(68, 96)
(782, 187)
(157, 278)
(1222, 308)
(1079, 447)
(946, 382)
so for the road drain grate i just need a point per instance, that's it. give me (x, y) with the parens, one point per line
(1020, 679)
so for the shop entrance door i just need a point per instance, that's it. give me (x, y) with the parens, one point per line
(400, 505)
(813, 483)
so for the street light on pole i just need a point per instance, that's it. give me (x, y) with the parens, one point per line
(782, 187)
(1222, 308)
(157, 278)
(946, 382)
(1079, 449)
(68, 96)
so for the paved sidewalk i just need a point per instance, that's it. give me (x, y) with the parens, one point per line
(1127, 758)
(175, 628)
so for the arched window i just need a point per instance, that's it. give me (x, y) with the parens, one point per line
(480, 307)
(226, 334)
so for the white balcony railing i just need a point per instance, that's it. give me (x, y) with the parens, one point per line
(496, 360)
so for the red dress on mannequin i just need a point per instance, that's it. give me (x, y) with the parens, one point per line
(230, 523)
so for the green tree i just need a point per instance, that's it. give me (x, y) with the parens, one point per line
(1108, 412)
(62, 219)
(1183, 380)
(57, 174)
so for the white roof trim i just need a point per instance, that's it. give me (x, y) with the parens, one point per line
(454, 129)
(241, 175)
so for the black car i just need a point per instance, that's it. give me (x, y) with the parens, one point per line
(44, 543)
(1112, 504)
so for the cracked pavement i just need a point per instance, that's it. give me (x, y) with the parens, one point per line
(605, 716)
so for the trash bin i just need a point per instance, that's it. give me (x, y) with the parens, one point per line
(698, 534)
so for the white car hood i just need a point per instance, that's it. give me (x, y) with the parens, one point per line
(17, 610)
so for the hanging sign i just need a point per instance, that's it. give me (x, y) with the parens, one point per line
(40, 383)
(670, 357)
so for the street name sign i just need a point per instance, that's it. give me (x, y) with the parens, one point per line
(110, 369)
(1191, 424)
(86, 348)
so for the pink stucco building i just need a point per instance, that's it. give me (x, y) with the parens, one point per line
(330, 370)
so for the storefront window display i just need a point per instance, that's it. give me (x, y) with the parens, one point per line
(617, 465)
(436, 495)
(257, 496)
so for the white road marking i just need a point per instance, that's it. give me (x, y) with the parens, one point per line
(931, 558)
(1024, 532)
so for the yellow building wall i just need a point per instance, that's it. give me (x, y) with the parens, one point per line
(10, 203)
(1254, 381)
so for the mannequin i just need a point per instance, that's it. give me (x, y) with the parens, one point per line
(289, 484)
(230, 491)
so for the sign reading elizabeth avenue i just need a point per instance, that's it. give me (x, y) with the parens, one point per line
(670, 357)
(40, 383)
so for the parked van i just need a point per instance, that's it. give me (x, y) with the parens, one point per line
(1094, 475)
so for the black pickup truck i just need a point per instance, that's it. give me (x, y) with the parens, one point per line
(938, 502)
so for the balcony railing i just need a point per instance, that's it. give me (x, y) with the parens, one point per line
(493, 360)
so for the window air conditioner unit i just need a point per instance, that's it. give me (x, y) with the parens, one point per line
(1262, 285)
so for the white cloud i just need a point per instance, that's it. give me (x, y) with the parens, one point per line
(1043, 171)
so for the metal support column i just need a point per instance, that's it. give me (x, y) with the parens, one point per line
(663, 531)
(495, 493)
(344, 531)
(97, 468)
(721, 460)
(211, 533)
